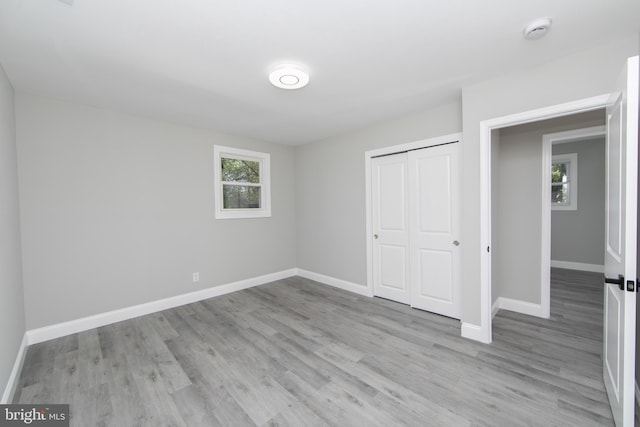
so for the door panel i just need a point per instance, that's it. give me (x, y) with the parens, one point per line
(613, 352)
(434, 192)
(391, 227)
(392, 267)
(434, 219)
(614, 181)
(620, 252)
(392, 182)
(436, 278)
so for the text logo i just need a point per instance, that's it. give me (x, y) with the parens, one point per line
(34, 415)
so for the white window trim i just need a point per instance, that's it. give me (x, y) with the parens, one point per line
(219, 152)
(572, 159)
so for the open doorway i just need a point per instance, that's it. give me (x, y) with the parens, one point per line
(619, 308)
(558, 309)
(521, 232)
(575, 192)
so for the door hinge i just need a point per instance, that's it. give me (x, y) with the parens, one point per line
(631, 286)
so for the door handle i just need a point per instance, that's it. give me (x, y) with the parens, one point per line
(375, 236)
(619, 281)
(456, 243)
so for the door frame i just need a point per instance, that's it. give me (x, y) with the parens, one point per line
(385, 151)
(486, 126)
(548, 140)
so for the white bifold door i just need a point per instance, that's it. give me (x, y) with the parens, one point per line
(391, 227)
(620, 267)
(415, 213)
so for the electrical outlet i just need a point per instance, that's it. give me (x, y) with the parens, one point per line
(196, 277)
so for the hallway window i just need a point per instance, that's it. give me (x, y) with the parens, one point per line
(564, 182)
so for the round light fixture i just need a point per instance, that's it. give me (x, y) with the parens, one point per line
(289, 76)
(537, 29)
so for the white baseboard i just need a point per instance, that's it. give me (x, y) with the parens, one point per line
(474, 332)
(10, 389)
(74, 326)
(495, 307)
(518, 306)
(595, 268)
(337, 283)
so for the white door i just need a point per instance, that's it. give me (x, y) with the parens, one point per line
(620, 256)
(391, 227)
(434, 224)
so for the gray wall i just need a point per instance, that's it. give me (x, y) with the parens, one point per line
(589, 73)
(117, 210)
(516, 271)
(330, 191)
(578, 236)
(12, 319)
(516, 274)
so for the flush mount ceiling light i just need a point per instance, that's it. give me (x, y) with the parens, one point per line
(289, 76)
(537, 29)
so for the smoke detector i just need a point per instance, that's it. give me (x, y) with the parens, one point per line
(537, 29)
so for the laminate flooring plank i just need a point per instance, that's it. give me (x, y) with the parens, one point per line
(323, 367)
(584, 417)
(463, 401)
(160, 408)
(93, 408)
(262, 397)
(233, 346)
(380, 383)
(588, 378)
(155, 347)
(178, 320)
(194, 404)
(129, 407)
(294, 312)
(296, 415)
(294, 331)
(323, 404)
(248, 378)
(37, 392)
(290, 362)
(551, 382)
(208, 394)
(162, 326)
(409, 414)
(39, 360)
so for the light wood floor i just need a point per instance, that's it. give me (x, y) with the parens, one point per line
(298, 353)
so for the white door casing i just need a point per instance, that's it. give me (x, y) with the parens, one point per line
(620, 245)
(434, 229)
(391, 227)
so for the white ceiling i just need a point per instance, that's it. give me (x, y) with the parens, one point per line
(205, 62)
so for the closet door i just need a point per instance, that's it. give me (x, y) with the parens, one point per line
(434, 218)
(390, 227)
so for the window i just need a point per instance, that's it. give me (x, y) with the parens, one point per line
(242, 183)
(564, 182)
